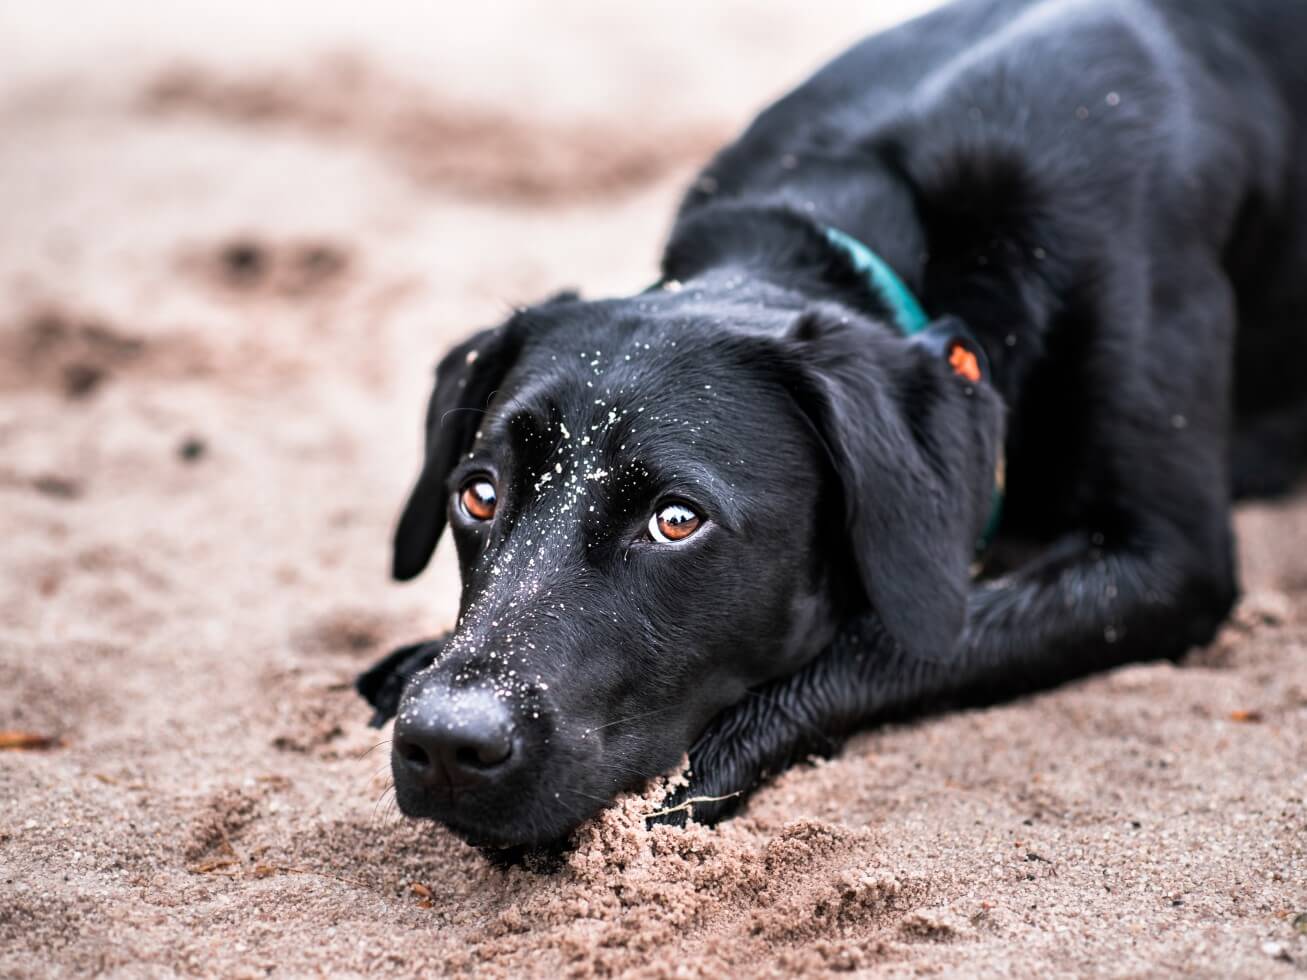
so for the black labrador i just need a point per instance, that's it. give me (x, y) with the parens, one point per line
(1049, 254)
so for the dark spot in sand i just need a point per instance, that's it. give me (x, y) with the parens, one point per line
(44, 330)
(243, 263)
(75, 353)
(320, 261)
(81, 378)
(192, 449)
(346, 632)
(110, 342)
(280, 269)
(219, 820)
(310, 717)
(60, 487)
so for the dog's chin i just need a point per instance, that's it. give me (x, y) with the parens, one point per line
(504, 837)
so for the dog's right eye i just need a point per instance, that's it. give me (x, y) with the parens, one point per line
(478, 498)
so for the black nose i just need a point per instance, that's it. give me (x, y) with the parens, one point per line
(446, 739)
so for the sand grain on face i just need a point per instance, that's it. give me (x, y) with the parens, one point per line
(226, 273)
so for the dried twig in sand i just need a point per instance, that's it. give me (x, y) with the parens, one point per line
(27, 740)
(687, 804)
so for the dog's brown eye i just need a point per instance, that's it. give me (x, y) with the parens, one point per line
(673, 522)
(478, 498)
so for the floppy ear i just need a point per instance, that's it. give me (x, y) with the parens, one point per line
(914, 447)
(465, 381)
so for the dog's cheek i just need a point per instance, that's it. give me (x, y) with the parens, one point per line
(762, 619)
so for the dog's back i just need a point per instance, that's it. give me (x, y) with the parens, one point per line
(1115, 130)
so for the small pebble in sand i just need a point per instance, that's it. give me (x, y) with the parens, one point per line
(1276, 951)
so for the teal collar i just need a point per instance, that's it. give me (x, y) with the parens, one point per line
(908, 315)
(911, 320)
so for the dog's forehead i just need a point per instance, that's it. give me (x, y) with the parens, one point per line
(604, 415)
(668, 378)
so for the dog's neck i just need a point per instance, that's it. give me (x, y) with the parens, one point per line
(789, 253)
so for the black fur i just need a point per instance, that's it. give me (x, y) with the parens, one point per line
(1101, 193)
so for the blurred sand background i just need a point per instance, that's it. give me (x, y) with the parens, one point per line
(233, 240)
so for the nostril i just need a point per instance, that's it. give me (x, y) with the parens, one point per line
(484, 755)
(414, 754)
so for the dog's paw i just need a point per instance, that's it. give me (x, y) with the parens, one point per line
(713, 793)
(382, 684)
(688, 803)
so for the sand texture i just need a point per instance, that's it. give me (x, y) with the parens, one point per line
(232, 245)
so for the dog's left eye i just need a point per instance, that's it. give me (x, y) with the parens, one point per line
(478, 499)
(673, 522)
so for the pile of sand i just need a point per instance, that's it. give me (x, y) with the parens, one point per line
(226, 267)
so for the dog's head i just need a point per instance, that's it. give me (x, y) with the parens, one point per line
(658, 503)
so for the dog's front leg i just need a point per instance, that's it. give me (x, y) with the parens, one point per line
(1079, 609)
(791, 718)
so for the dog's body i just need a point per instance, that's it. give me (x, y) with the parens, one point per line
(1108, 198)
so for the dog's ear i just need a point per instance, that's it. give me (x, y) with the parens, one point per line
(466, 379)
(914, 449)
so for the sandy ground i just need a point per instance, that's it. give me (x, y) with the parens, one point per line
(233, 242)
